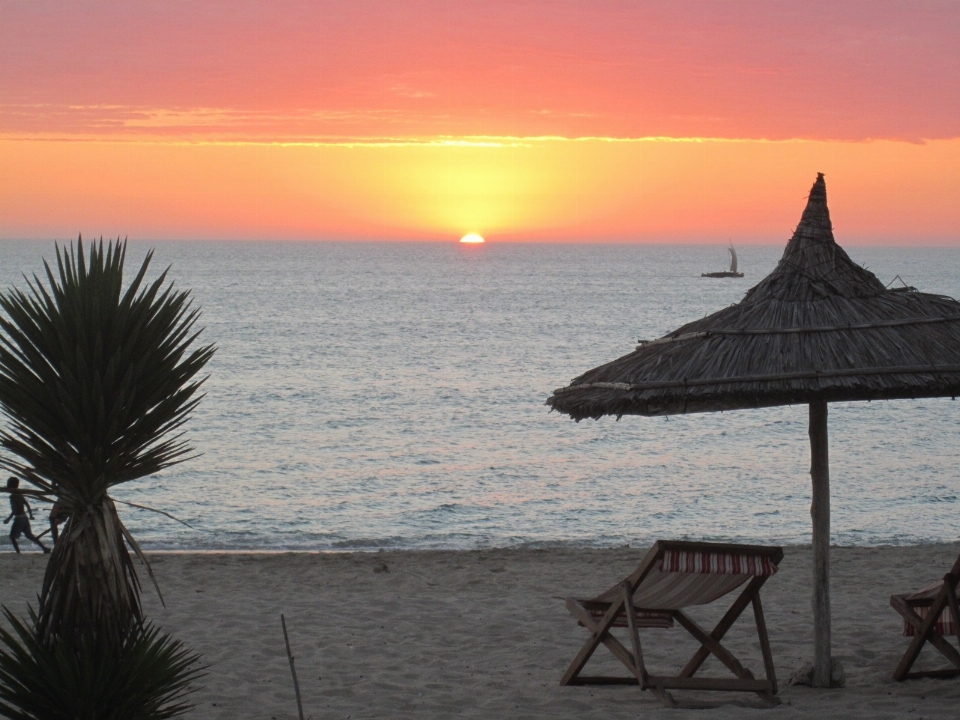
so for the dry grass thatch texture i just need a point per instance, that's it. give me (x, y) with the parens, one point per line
(818, 328)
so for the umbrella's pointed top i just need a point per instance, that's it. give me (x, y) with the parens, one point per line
(813, 265)
(815, 222)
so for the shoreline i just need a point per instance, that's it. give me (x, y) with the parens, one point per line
(479, 633)
(30, 549)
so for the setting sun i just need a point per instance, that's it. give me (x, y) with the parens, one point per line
(472, 239)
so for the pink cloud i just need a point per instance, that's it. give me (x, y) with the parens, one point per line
(276, 70)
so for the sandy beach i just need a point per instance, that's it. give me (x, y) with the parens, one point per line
(481, 634)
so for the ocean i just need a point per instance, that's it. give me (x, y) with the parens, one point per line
(391, 395)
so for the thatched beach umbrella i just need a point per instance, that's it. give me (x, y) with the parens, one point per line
(818, 329)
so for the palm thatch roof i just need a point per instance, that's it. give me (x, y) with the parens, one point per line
(819, 328)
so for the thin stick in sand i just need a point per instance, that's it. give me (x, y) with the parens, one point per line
(293, 670)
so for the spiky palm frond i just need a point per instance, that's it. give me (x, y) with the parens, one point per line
(95, 379)
(149, 679)
(96, 382)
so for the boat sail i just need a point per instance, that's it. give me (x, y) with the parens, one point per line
(732, 272)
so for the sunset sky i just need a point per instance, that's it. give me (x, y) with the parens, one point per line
(612, 121)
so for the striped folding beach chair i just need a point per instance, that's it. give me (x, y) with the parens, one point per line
(930, 615)
(674, 576)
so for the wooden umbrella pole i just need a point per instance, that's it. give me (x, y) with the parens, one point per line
(820, 513)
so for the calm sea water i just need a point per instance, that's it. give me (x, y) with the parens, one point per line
(369, 395)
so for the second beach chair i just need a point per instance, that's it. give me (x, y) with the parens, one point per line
(672, 576)
(930, 615)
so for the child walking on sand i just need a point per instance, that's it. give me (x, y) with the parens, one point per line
(19, 508)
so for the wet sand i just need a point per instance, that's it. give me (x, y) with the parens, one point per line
(481, 634)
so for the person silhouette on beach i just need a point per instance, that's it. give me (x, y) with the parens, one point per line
(57, 518)
(19, 508)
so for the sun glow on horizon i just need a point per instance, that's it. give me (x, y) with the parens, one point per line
(472, 239)
(550, 190)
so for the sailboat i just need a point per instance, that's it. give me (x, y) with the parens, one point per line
(732, 272)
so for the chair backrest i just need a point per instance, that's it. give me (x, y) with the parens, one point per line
(676, 574)
(921, 605)
(922, 600)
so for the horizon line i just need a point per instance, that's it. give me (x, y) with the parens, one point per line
(438, 140)
(952, 243)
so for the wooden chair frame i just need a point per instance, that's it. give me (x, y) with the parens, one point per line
(925, 628)
(660, 685)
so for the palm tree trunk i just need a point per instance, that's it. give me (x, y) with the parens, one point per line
(90, 589)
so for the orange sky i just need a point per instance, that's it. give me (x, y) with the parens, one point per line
(635, 121)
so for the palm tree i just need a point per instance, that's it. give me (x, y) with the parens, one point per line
(149, 679)
(96, 381)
